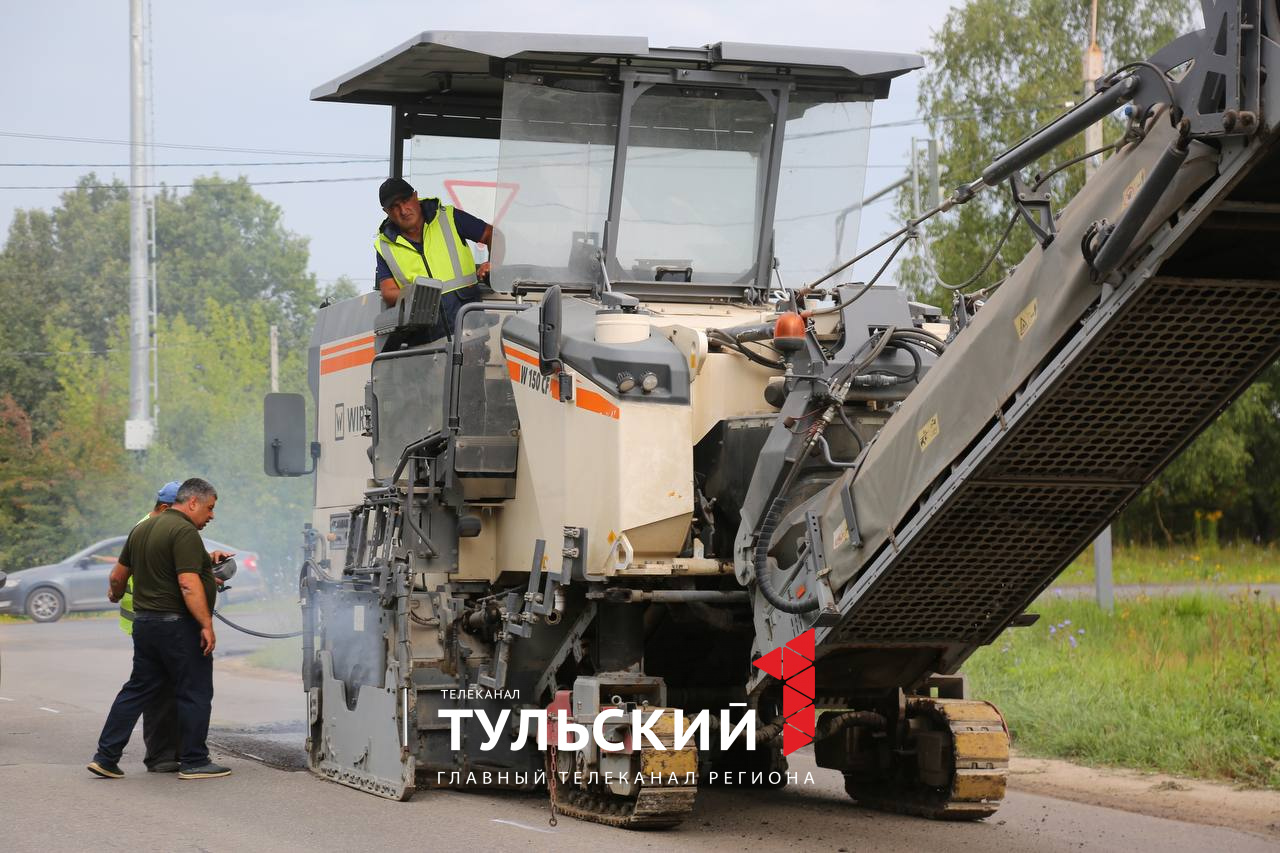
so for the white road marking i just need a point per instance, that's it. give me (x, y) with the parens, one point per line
(254, 757)
(5, 699)
(522, 826)
(50, 710)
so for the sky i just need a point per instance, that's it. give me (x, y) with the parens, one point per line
(237, 76)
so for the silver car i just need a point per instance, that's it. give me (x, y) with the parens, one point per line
(46, 593)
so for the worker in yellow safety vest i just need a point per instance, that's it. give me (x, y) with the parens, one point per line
(160, 719)
(423, 238)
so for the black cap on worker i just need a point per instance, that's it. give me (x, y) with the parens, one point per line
(393, 190)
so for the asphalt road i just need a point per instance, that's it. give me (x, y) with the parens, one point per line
(58, 681)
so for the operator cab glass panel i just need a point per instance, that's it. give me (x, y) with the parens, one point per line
(695, 187)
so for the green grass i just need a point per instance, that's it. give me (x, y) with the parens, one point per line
(1138, 564)
(1182, 685)
(285, 655)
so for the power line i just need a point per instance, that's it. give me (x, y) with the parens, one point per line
(181, 146)
(1012, 108)
(979, 114)
(205, 186)
(364, 161)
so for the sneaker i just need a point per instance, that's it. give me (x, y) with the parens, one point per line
(106, 769)
(164, 767)
(205, 771)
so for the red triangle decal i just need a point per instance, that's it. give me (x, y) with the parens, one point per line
(793, 701)
(804, 682)
(771, 663)
(793, 664)
(803, 720)
(793, 739)
(803, 644)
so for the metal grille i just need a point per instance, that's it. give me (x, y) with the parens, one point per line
(981, 560)
(1152, 378)
(1161, 369)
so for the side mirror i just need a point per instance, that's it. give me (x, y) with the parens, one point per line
(3, 578)
(84, 563)
(549, 331)
(284, 436)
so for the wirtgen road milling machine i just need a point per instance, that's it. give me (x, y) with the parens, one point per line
(648, 459)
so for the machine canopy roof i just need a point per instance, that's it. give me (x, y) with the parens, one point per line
(467, 69)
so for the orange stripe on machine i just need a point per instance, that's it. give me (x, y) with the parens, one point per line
(342, 361)
(346, 345)
(523, 369)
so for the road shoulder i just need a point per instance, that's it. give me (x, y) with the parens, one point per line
(1154, 794)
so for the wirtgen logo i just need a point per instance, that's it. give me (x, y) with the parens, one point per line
(792, 664)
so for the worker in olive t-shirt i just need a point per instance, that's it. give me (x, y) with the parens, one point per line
(173, 638)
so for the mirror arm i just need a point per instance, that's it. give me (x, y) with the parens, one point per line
(275, 455)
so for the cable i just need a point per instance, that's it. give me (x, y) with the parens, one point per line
(870, 282)
(192, 186)
(245, 630)
(1175, 112)
(364, 160)
(1041, 180)
(903, 378)
(723, 338)
(53, 138)
(1013, 220)
(848, 424)
(928, 339)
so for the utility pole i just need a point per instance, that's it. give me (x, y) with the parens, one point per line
(1092, 66)
(139, 429)
(275, 359)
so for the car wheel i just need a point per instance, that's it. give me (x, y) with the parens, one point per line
(46, 604)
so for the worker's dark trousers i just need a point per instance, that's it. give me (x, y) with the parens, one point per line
(166, 656)
(160, 729)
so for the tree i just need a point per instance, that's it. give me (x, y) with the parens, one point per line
(228, 270)
(999, 69)
(224, 243)
(341, 288)
(31, 504)
(69, 270)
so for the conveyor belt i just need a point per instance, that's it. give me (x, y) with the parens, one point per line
(1144, 374)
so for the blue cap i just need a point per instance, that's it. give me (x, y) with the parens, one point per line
(168, 493)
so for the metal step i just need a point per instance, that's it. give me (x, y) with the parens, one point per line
(1151, 368)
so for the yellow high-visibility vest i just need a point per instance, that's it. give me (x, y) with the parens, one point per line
(445, 255)
(126, 600)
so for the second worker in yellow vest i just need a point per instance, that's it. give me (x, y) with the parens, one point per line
(160, 717)
(425, 238)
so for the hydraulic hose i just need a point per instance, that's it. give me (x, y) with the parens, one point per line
(770, 523)
(302, 575)
(245, 630)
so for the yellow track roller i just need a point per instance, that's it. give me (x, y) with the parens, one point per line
(952, 764)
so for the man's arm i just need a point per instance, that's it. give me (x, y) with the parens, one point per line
(198, 606)
(390, 291)
(120, 574)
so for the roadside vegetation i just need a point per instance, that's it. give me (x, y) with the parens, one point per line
(1181, 684)
(285, 655)
(1146, 564)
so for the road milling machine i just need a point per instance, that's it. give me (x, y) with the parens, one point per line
(668, 440)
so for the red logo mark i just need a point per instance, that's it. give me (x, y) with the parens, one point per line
(792, 664)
